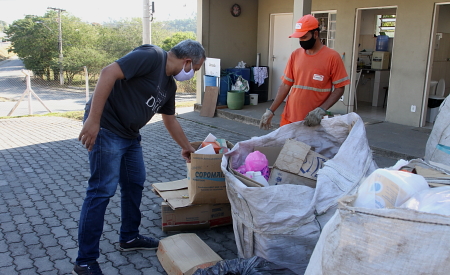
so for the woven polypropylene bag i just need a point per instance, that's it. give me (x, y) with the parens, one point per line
(282, 223)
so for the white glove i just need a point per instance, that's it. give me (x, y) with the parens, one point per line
(314, 117)
(266, 120)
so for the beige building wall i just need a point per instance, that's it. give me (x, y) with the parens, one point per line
(231, 39)
(235, 39)
(409, 55)
(265, 9)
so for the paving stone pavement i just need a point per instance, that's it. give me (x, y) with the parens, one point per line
(43, 176)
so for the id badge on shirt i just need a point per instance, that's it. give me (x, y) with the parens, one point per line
(318, 77)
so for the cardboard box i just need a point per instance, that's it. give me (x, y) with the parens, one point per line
(206, 181)
(183, 254)
(178, 214)
(296, 164)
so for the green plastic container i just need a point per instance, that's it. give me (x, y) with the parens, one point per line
(235, 100)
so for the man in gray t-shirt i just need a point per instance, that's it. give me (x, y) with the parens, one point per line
(128, 93)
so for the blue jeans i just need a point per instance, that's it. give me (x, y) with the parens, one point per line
(113, 160)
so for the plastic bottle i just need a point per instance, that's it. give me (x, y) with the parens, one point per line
(382, 43)
(249, 174)
(260, 178)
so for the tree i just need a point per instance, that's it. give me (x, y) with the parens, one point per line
(170, 42)
(188, 86)
(35, 40)
(160, 31)
(182, 25)
(32, 42)
(3, 26)
(120, 37)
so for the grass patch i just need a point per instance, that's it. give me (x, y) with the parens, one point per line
(185, 104)
(4, 99)
(78, 115)
(4, 54)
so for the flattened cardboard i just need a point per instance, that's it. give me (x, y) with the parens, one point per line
(292, 156)
(297, 158)
(175, 193)
(183, 254)
(209, 101)
(206, 181)
(178, 214)
(201, 216)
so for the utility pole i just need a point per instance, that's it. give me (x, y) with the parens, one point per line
(61, 73)
(147, 19)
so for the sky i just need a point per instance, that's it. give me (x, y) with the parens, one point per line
(98, 11)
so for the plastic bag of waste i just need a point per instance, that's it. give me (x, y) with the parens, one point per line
(433, 200)
(239, 266)
(388, 189)
(240, 85)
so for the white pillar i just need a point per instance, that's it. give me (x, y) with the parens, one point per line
(146, 24)
(301, 7)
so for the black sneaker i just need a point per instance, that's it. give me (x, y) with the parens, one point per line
(140, 242)
(91, 269)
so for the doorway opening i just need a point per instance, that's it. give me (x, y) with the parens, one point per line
(373, 49)
(438, 72)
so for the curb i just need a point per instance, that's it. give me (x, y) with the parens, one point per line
(392, 154)
(239, 118)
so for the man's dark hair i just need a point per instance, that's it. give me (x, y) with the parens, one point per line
(189, 49)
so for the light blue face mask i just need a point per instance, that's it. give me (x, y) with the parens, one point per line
(183, 75)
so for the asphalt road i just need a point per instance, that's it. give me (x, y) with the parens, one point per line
(55, 97)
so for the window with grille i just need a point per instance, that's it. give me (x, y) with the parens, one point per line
(386, 24)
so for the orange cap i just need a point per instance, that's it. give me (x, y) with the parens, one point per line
(305, 24)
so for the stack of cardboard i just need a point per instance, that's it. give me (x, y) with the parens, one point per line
(200, 200)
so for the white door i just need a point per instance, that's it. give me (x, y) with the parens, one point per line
(281, 26)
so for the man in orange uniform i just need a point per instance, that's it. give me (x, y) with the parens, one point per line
(310, 75)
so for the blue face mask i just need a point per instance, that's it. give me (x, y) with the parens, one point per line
(183, 75)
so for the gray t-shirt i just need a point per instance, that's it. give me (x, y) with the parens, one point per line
(146, 90)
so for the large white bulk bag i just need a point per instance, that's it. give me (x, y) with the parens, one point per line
(365, 241)
(438, 144)
(282, 223)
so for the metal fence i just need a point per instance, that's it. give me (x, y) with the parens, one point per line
(43, 94)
